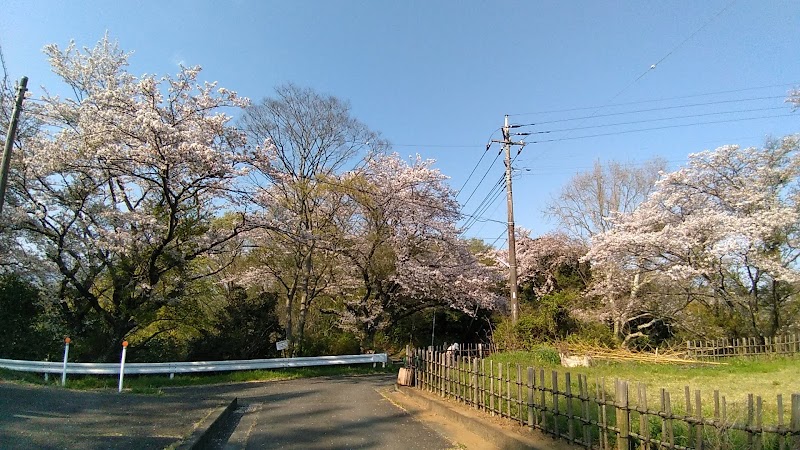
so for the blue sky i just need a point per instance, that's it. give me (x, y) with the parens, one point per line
(436, 78)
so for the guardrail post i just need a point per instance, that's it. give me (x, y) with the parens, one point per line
(64, 367)
(122, 364)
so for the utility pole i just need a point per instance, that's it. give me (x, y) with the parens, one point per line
(512, 246)
(10, 137)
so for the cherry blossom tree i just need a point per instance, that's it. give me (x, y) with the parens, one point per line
(721, 234)
(401, 242)
(121, 191)
(549, 263)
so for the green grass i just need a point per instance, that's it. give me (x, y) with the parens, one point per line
(762, 377)
(152, 384)
(766, 377)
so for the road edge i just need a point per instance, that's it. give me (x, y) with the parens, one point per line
(200, 436)
(515, 437)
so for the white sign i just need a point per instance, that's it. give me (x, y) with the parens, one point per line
(282, 345)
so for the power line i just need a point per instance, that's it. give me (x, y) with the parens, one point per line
(652, 67)
(674, 49)
(707, 94)
(482, 178)
(568, 138)
(483, 155)
(663, 108)
(689, 116)
(493, 193)
(497, 238)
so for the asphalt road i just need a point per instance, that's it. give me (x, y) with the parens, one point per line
(37, 417)
(316, 413)
(328, 413)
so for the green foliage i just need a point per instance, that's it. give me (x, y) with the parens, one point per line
(247, 328)
(451, 326)
(331, 342)
(595, 334)
(546, 320)
(29, 331)
(344, 344)
(161, 348)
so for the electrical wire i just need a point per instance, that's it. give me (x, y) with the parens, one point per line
(569, 138)
(652, 67)
(489, 199)
(633, 122)
(479, 212)
(656, 100)
(482, 178)
(483, 155)
(669, 53)
(663, 108)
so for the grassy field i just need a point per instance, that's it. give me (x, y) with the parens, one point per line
(152, 384)
(765, 377)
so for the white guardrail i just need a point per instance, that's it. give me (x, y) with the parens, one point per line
(172, 368)
(188, 367)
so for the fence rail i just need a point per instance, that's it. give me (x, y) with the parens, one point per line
(467, 349)
(593, 416)
(724, 348)
(187, 367)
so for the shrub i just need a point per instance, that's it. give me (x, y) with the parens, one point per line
(547, 320)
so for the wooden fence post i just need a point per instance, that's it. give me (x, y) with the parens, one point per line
(666, 419)
(586, 414)
(699, 414)
(428, 369)
(491, 387)
(475, 382)
(443, 373)
(568, 394)
(500, 389)
(781, 439)
(688, 402)
(749, 420)
(759, 433)
(644, 423)
(520, 413)
(542, 402)
(530, 397)
(796, 419)
(600, 397)
(623, 415)
(508, 391)
(555, 403)
(482, 392)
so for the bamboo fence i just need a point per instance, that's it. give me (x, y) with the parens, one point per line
(747, 347)
(593, 415)
(467, 349)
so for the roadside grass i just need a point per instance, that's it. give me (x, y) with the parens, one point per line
(153, 384)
